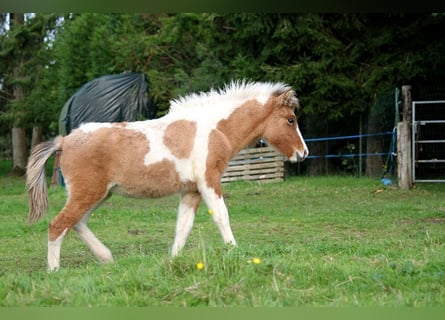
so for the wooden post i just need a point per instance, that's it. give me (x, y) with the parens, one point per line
(404, 143)
(55, 176)
(407, 104)
(404, 169)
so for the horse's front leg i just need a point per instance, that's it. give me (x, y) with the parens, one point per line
(186, 214)
(220, 214)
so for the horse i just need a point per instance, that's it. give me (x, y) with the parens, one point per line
(186, 151)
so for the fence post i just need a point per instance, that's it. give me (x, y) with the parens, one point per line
(404, 143)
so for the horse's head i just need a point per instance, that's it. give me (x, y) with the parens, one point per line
(282, 130)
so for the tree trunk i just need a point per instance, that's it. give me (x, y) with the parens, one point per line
(19, 154)
(37, 133)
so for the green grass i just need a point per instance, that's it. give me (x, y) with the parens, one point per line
(322, 241)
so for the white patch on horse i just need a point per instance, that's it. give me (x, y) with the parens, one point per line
(306, 150)
(154, 133)
(93, 126)
(54, 251)
(158, 150)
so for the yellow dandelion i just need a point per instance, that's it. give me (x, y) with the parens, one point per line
(256, 260)
(210, 211)
(200, 266)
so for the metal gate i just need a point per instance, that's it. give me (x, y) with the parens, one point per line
(428, 136)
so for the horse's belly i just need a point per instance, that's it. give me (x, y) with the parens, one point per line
(151, 190)
(157, 180)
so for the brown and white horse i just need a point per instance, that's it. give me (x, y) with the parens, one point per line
(186, 151)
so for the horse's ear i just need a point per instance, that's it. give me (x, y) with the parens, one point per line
(289, 98)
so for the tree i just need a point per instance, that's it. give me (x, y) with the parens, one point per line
(90, 45)
(22, 62)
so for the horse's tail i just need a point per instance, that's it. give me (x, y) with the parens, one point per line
(36, 178)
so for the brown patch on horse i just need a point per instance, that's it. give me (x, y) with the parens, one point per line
(101, 158)
(241, 121)
(103, 153)
(218, 158)
(179, 138)
(191, 199)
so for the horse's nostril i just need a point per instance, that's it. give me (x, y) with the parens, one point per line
(301, 157)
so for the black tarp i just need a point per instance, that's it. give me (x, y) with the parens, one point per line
(110, 98)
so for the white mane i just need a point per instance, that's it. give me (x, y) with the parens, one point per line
(232, 95)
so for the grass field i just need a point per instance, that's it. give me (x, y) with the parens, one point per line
(312, 241)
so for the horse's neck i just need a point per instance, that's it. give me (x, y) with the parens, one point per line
(243, 127)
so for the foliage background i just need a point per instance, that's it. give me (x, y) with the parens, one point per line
(339, 63)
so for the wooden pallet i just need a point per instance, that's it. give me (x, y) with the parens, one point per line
(262, 164)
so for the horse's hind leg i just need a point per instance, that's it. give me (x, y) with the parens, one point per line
(78, 205)
(102, 253)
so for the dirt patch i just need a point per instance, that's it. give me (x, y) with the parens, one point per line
(136, 231)
(438, 220)
(434, 220)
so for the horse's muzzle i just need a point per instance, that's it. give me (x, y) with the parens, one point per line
(301, 156)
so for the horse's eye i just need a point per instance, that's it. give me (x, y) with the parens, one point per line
(291, 120)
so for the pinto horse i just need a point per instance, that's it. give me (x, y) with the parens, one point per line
(186, 151)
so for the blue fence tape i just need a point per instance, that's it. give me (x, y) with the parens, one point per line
(349, 137)
(349, 155)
